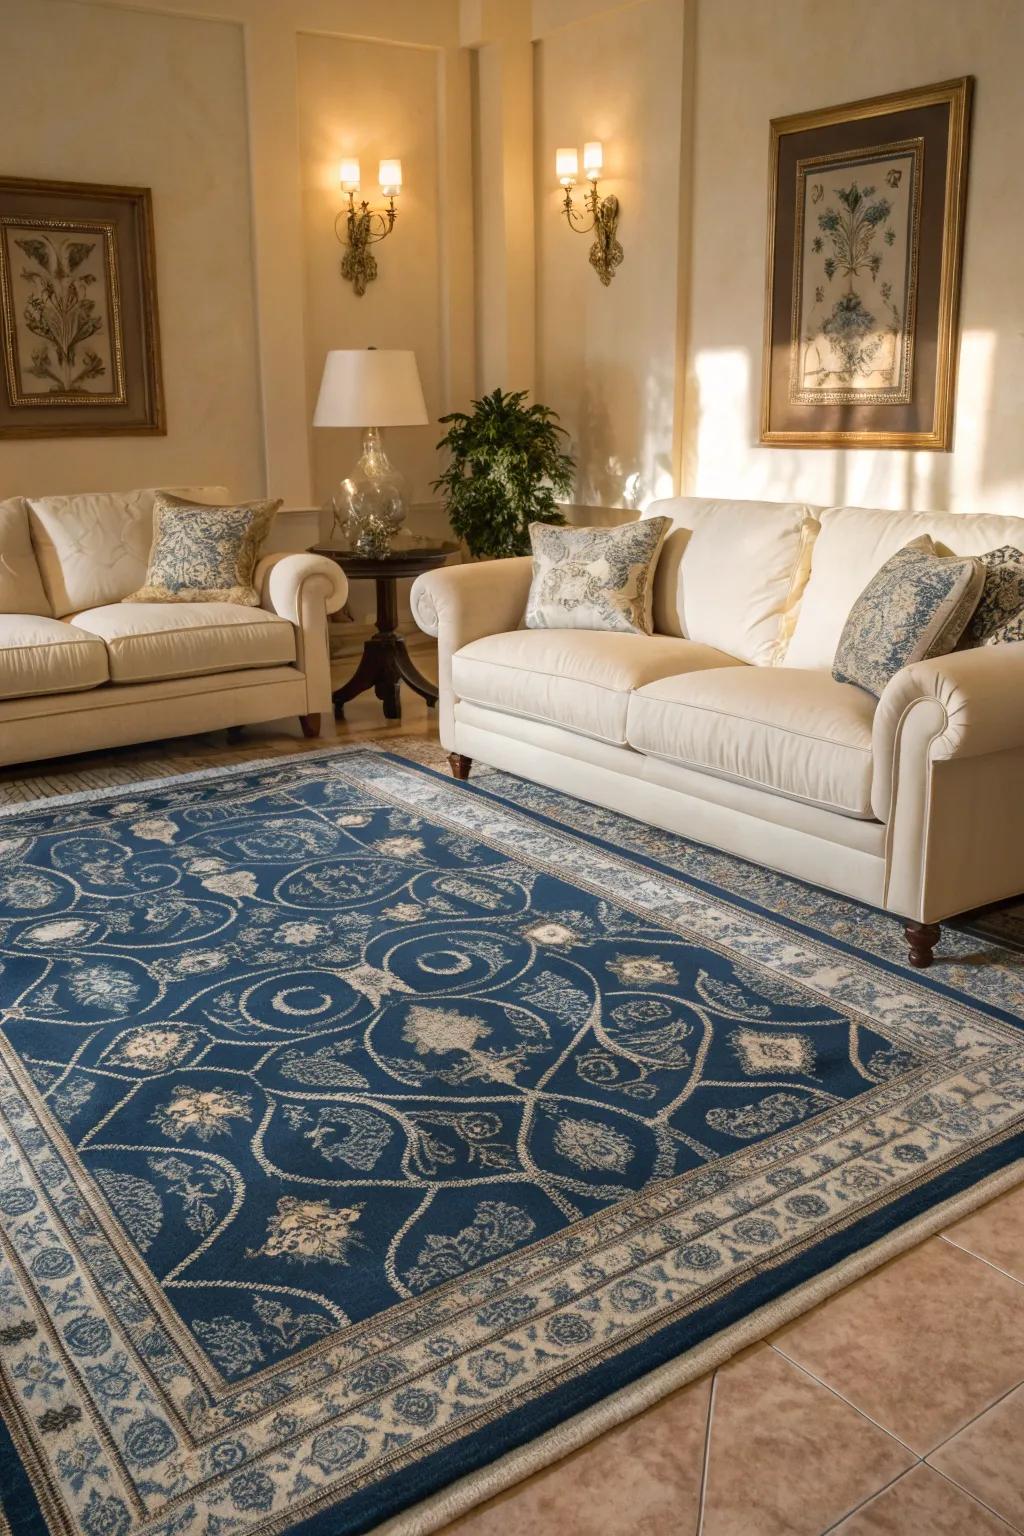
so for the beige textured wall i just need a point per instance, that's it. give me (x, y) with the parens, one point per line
(606, 357)
(200, 99)
(499, 32)
(95, 94)
(758, 59)
(236, 111)
(375, 101)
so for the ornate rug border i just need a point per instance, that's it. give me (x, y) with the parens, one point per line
(386, 749)
(747, 903)
(126, 790)
(430, 1514)
(433, 1513)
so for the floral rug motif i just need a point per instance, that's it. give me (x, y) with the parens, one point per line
(358, 1127)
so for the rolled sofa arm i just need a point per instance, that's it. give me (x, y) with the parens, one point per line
(949, 762)
(460, 603)
(967, 704)
(281, 579)
(304, 589)
(467, 602)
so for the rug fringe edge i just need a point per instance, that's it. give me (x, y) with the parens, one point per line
(129, 787)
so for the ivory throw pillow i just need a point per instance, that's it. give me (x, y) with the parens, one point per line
(742, 575)
(21, 586)
(204, 554)
(918, 605)
(731, 573)
(999, 616)
(594, 578)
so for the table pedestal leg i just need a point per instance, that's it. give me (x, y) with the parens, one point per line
(385, 663)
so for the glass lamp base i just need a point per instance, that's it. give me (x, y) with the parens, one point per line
(369, 508)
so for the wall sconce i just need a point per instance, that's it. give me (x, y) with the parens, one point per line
(363, 225)
(602, 213)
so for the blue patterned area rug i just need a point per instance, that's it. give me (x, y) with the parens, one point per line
(364, 1136)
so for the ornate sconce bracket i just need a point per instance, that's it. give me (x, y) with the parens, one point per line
(357, 228)
(601, 219)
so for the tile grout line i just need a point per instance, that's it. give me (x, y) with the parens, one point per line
(921, 1456)
(979, 1256)
(706, 1461)
(972, 1495)
(919, 1460)
(871, 1496)
(849, 1403)
(973, 1419)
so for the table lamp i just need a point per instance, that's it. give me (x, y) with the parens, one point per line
(371, 389)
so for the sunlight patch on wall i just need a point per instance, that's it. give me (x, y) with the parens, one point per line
(723, 414)
(973, 417)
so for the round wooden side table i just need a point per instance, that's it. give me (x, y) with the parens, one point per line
(385, 663)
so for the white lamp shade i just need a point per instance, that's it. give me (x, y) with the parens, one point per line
(371, 389)
(348, 175)
(593, 158)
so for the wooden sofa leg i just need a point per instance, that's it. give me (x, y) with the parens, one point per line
(310, 725)
(922, 938)
(460, 765)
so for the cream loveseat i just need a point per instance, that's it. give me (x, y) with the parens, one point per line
(80, 670)
(726, 725)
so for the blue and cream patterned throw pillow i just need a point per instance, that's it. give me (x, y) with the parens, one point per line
(918, 605)
(595, 578)
(999, 615)
(204, 554)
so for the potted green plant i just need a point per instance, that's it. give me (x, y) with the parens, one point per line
(505, 466)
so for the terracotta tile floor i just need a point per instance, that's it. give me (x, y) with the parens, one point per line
(896, 1408)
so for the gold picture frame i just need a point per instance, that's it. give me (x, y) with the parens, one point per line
(871, 193)
(79, 333)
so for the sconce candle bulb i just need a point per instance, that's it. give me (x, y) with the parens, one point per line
(390, 177)
(359, 226)
(593, 159)
(601, 216)
(566, 166)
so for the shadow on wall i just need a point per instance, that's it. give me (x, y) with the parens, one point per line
(722, 456)
(583, 515)
(605, 478)
(617, 408)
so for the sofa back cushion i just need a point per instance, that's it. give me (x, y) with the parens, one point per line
(731, 573)
(21, 586)
(93, 548)
(854, 544)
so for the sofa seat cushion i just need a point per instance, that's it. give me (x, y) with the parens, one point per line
(150, 641)
(799, 734)
(576, 678)
(41, 655)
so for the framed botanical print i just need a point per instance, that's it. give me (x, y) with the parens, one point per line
(79, 336)
(865, 233)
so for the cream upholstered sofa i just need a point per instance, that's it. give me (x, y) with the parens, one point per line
(80, 669)
(726, 724)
